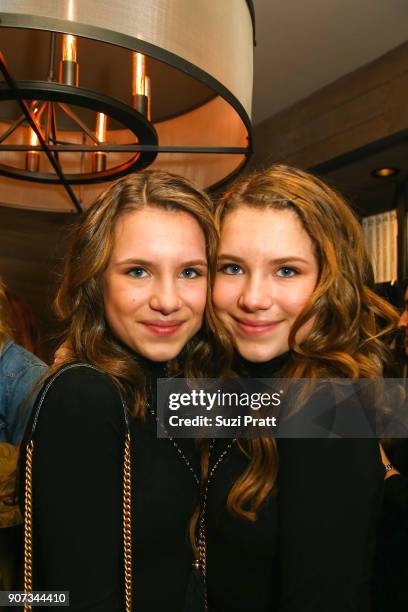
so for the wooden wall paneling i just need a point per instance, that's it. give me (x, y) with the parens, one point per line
(368, 104)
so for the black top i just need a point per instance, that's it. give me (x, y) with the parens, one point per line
(390, 585)
(311, 547)
(77, 476)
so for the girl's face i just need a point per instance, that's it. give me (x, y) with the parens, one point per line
(155, 285)
(267, 269)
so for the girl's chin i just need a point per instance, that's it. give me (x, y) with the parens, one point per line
(259, 354)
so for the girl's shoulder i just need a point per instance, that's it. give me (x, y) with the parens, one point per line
(80, 392)
(75, 374)
(15, 360)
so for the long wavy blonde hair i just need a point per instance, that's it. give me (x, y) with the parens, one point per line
(79, 301)
(351, 320)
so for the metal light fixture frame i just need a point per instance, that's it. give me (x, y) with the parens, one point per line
(147, 147)
(21, 91)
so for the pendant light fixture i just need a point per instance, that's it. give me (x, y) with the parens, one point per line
(94, 89)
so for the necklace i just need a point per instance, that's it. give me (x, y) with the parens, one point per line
(182, 456)
(200, 564)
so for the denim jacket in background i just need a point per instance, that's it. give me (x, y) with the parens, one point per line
(19, 372)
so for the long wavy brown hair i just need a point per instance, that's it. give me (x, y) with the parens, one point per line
(79, 302)
(5, 327)
(23, 324)
(350, 319)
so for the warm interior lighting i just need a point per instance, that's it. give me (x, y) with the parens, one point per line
(71, 10)
(34, 142)
(69, 68)
(99, 157)
(32, 158)
(193, 117)
(139, 74)
(101, 121)
(385, 172)
(140, 84)
(69, 48)
(148, 96)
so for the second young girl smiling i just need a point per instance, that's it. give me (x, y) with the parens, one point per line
(263, 284)
(289, 524)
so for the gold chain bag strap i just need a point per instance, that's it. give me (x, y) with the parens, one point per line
(28, 499)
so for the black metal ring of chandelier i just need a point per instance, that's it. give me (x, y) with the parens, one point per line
(127, 116)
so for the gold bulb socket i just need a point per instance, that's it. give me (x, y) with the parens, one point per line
(141, 104)
(98, 161)
(69, 73)
(32, 161)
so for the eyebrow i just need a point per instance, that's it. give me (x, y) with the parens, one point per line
(145, 262)
(279, 260)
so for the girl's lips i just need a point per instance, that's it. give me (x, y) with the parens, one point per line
(162, 328)
(255, 328)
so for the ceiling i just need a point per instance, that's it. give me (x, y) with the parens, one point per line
(303, 45)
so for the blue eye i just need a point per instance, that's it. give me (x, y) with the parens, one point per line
(286, 272)
(232, 269)
(137, 272)
(190, 273)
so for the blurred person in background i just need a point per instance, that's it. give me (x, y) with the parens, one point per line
(24, 328)
(20, 370)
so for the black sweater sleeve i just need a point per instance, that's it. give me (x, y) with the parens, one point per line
(77, 491)
(329, 498)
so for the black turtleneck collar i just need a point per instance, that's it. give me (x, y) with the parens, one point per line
(264, 369)
(152, 369)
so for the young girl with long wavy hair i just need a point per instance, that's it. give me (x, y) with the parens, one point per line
(290, 523)
(133, 297)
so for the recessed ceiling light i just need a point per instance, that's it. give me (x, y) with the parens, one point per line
(385, 172)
